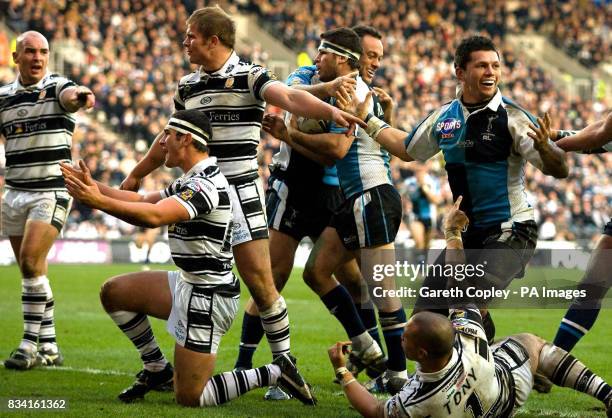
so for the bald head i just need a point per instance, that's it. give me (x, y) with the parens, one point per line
(31, 36)
(31, 56)
(432, 332)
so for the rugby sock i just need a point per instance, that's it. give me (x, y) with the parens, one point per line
(392, 324)
(575, 324)
(368, 317)
(226, 386)
(338, 301)
(563, 369)
(252, 333)
(46, 337)
(137, 328)
(275, 323)
(33, 302)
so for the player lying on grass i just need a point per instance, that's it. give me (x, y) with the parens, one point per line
(458, 374)
(200, 299)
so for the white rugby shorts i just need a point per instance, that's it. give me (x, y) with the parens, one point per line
(199, 317)
(18, 206)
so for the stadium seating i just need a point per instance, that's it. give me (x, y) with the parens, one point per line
(134, 59)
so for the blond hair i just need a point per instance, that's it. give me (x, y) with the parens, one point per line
(209, 21)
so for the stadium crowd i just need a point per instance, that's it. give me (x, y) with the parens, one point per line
(133, 60)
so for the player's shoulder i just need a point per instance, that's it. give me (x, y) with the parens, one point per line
(55, 78)
(192, 77)
(7, 89)
(515, 110)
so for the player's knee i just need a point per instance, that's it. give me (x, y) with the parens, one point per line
(187, 397)
(30, 266)
(281, 276)
(310, 275)
(107, 292)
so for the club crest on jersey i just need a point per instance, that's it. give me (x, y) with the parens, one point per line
(42, 94)
(229, 83)
(447, 127)
(488, 135)
(22, 112)
(187, 194)
(206, 100)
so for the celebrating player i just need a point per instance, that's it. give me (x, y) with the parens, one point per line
(486, 139)
(36, 122)
(233, 95)
(200, 299)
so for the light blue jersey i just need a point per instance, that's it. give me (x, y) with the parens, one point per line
(366, 165)
(485, 153)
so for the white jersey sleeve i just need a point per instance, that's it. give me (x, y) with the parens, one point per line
(422, 143)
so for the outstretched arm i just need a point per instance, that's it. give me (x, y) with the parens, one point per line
(553, 157)
(363, 401)
(136, 212)
(152, 160)
(594, 136)
(77, 97)
(275, 126)
(301, 103)
(123, 195)
(391, 139)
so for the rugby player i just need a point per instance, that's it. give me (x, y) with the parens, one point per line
(485, 139)
(458, 374)
(368, 218)
(292, 215)
(200, 299)
(37, 123)
(233, 94)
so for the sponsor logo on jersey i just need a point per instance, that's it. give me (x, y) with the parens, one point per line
(206, 100)
(447, 127)
(22, 112)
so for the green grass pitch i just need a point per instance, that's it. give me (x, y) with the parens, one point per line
(100, 362)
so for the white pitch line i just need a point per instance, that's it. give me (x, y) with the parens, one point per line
(87, 370)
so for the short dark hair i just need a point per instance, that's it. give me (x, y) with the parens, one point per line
(209, 21)
(363, 30)
(347, 38)
(199, 119)
(472, 44)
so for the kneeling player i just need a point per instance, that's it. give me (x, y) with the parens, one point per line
(200, 299)
(459, 375)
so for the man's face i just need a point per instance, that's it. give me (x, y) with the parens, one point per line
(370, 58)
(480, 77)
(196, 46)
(326, 63)
(32, 57)
(171, 143)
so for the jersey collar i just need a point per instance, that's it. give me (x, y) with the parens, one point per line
(226, 68)
(435, 376)
(493, 104)
(200, 166)
(17, 86)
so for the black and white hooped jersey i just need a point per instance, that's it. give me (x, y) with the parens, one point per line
(38, 132)
(232, 97)
(468, 386)
(201, 247)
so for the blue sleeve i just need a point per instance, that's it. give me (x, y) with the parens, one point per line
(302, 75)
